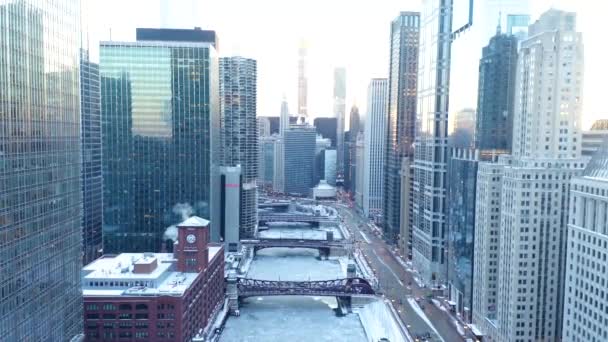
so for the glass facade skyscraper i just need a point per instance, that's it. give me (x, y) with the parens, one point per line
(40, 178)
(496, 92)
(299, 151)
(160, 124)
(430, 159)
(401, 120)
(92, 180)
(239, 136)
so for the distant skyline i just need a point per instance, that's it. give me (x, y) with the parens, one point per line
(354, 35)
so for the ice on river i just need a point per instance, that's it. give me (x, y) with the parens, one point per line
(297, 264)
(300, 233)
(280, 319)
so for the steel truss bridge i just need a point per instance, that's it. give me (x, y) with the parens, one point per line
(258, 244)
(347, 287)
(264, 218)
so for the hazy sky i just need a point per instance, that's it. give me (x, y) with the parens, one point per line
(349, 33)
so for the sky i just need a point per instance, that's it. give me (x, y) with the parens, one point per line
(349, 33)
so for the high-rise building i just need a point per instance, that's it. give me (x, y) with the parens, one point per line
(533, 202)
(485, 256)
(230, 206)
(401, 120)
(321, 145)
(468, 182)
(360, 156)
(374, 147)
(407, 203)
(195, 35)
(327, 127)
(354, 124)
(595, 137)
(299, 151)
(40, 171)
(278, 170)
(263, 126)
(90, 138)
(239, 134)
(349, 182)
(587, 245)
(460, 217)
(266, 159)
(160, 125)
(430, 159)
(340, 112)
(329, 170)
(350, 168)
(495, 94)
(302, 80)
(464, 129)
(284, 121)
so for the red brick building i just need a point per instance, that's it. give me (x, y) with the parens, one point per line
(155, 296)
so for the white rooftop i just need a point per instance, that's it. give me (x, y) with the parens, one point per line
(194, 221)
(113, 275)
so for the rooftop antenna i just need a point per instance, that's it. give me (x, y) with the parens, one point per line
(110, 34)
(498, 28)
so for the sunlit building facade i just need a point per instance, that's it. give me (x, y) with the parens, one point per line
(401, 117)
(160, 124)
(40, 171)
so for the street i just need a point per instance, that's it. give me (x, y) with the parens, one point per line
(398, 284)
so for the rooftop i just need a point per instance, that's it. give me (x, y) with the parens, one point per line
(112, 275)
(194, 221)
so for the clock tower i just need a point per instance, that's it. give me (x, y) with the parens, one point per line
(191, 250)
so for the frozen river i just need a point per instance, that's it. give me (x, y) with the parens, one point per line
(280, 319)
(297, 264)
(300, 233)
(294, 318)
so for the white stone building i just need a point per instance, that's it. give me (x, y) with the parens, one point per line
(374, 146)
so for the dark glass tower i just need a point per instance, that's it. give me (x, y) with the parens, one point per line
(160, 124)
(238, 88)
(90, 138)
(496, 92)
(327, 127)
(403, 82)
(299, 152)
(40, 177)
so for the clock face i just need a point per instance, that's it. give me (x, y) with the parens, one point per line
(191, 238)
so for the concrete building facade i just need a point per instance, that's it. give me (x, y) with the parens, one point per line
(374, 147)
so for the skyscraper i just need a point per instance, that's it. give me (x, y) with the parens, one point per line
(359, 152)
(401, 120)
(533, 202)
(161, 125)
(40, 171)
(329, 168)
(284, 118)
(374, 146)
(239, 135)
(350, 167)
(327, 127)
(464, 129)
(299, 151)
(90, 138)
(263, 126)
(354, 124)
(587, 244)
(302, 80)
(430, 160)
(495, 96)
(340, 112)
